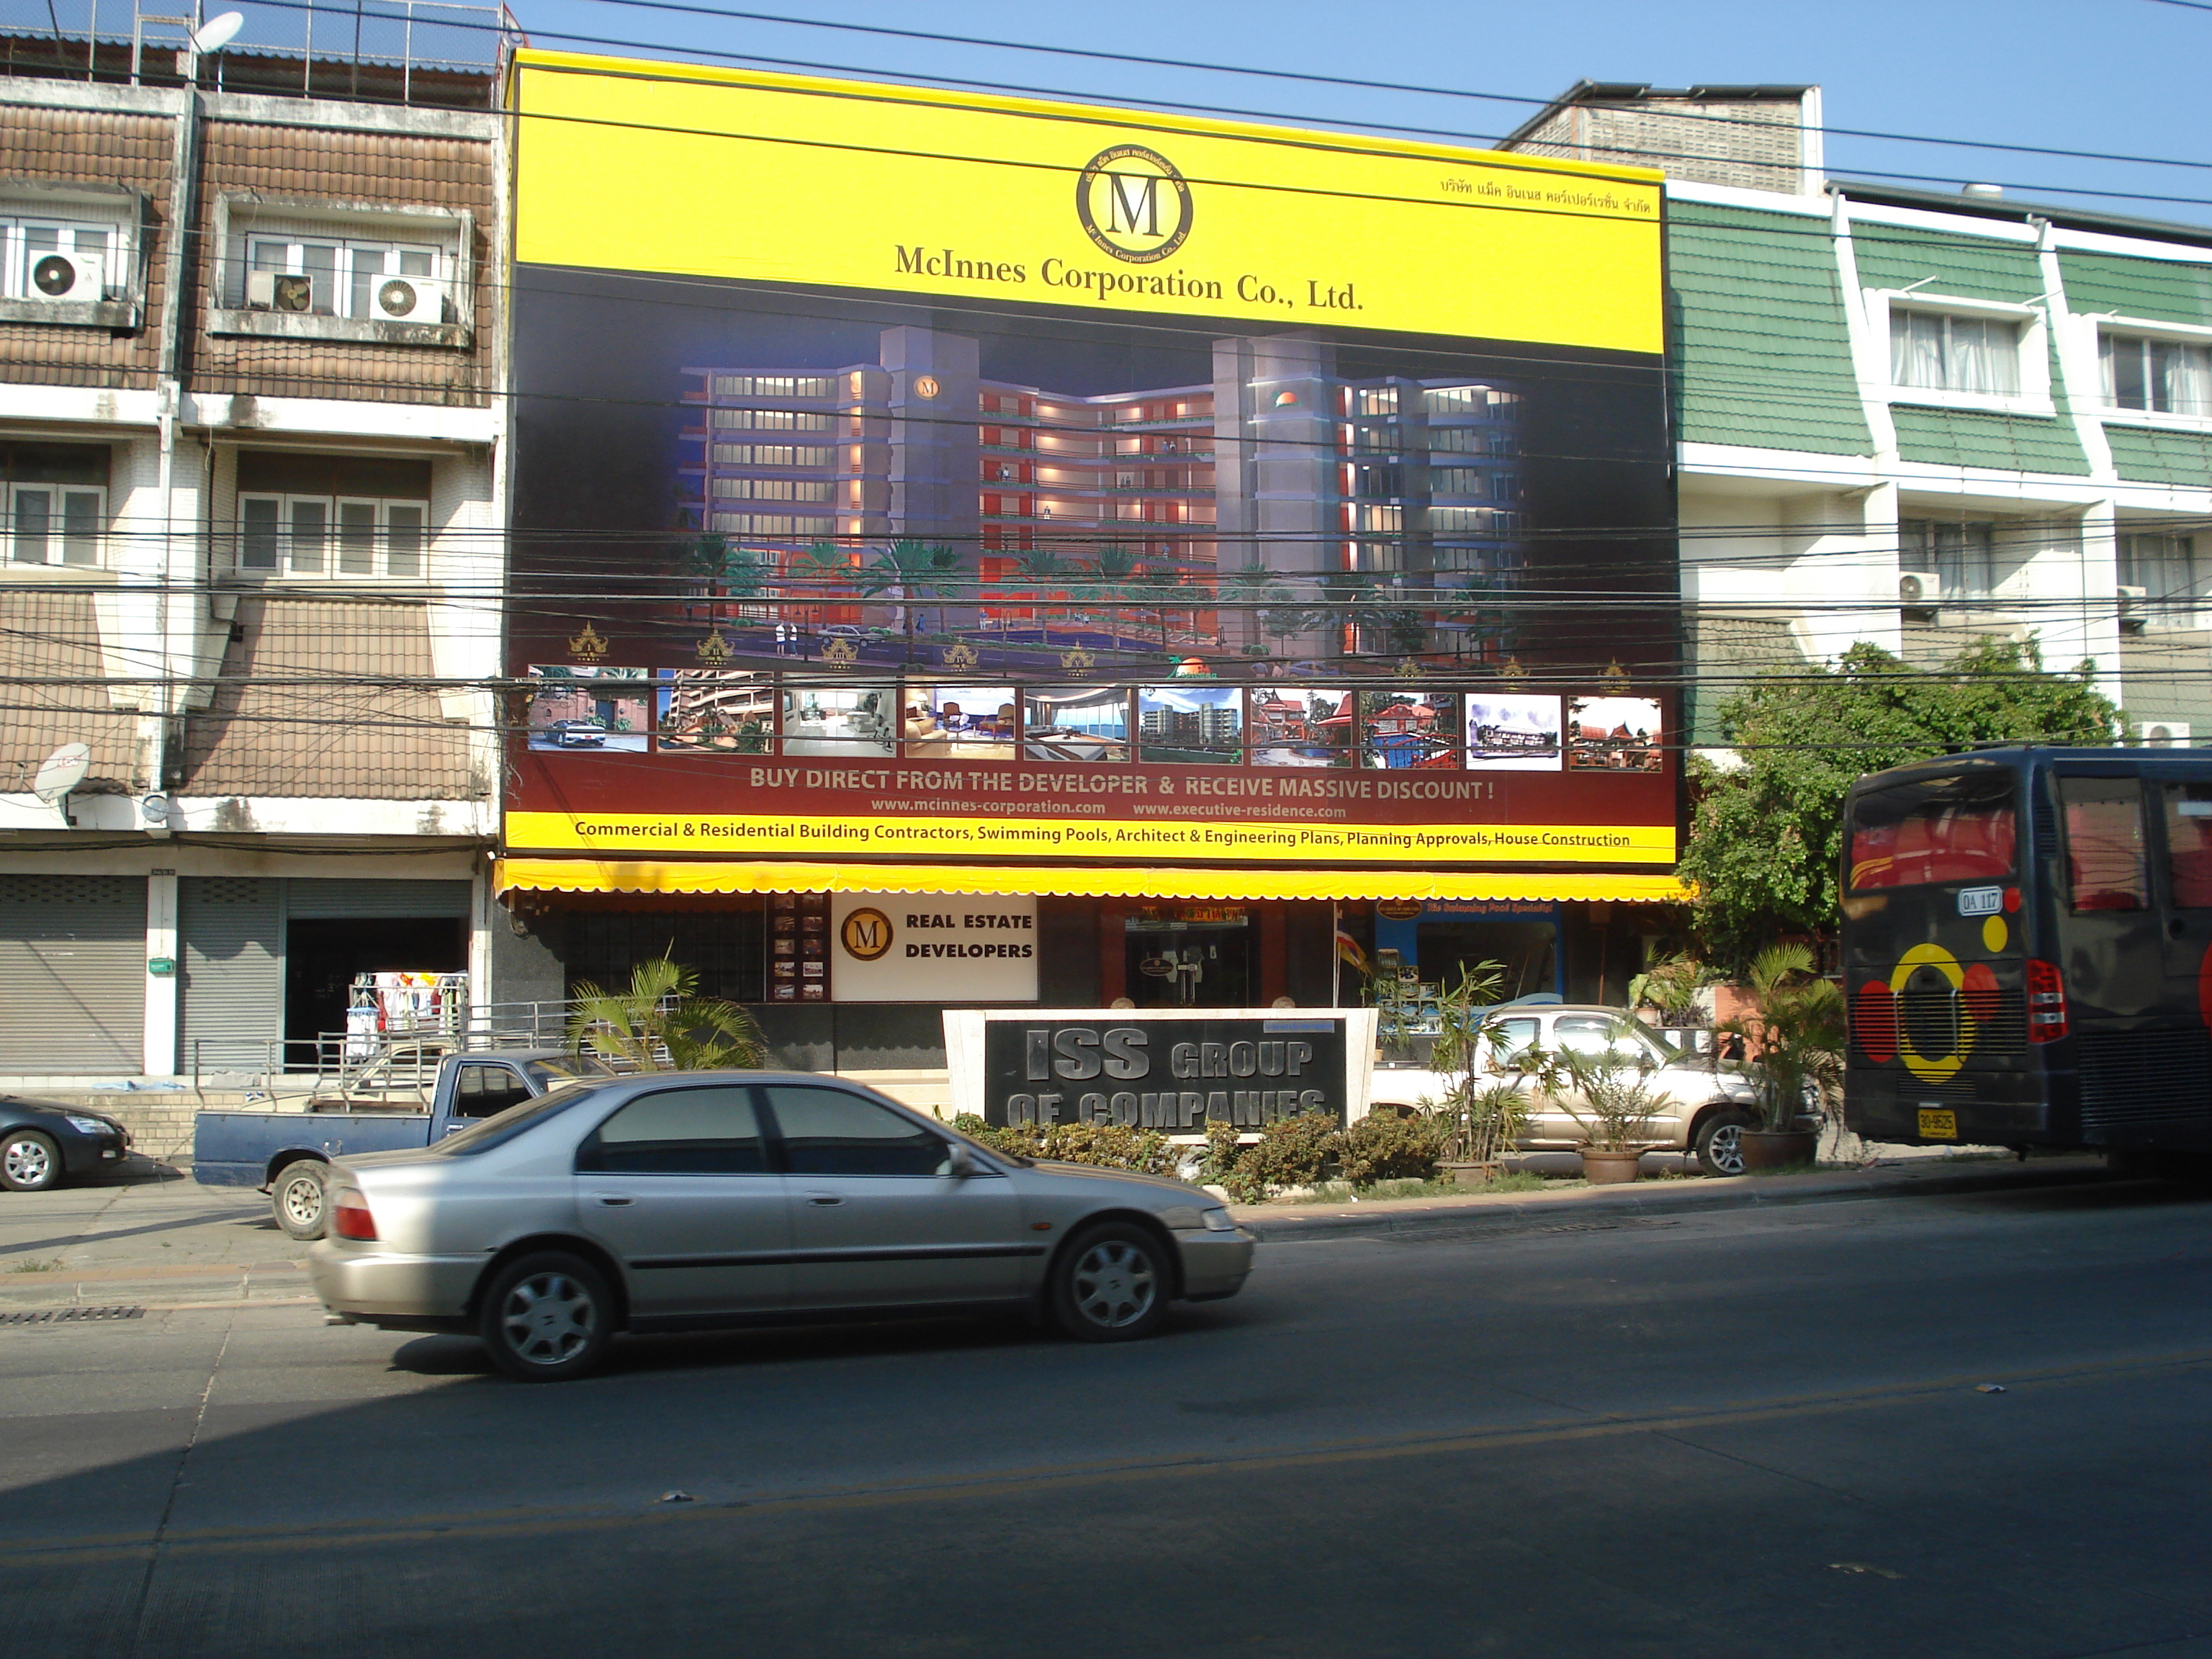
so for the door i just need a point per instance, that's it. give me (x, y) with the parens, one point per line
(1504, 1040)
(2185, 806)
(876, 1221)
(677, 1183)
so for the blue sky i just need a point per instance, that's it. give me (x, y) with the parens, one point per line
(2115, 76)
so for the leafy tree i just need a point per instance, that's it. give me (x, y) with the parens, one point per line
(661, 1024)
(1767, 835)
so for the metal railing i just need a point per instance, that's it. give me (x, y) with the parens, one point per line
(377, 49)
(333, 1062)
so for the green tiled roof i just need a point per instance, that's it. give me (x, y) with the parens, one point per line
(1760, 346)
(2166, 290)
(2144, 455)
(2010, 443)
(1972, 267)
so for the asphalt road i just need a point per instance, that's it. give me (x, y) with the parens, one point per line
(1757, 1432)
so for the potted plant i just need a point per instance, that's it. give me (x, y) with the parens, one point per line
(1611, 1096)
(1795, 1033)
(1485, 1116)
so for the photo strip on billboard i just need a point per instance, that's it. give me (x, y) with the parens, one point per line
(1112, 474)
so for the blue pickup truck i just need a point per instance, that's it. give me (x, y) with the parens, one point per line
(406, 1099)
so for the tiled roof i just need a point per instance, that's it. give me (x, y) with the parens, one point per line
(90, 146)
(44, 637)
(1764, 357)
(365, 724)
(2166, 290)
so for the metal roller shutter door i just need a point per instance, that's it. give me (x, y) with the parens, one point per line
(233, 970)
(310, 900)
(72, 973)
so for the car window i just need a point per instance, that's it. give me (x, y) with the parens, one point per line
(828, 1132)
(706, 1131)
(1508, 1037)
(1589, 1034)
(481, 1091)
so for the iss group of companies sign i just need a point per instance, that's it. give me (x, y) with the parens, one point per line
(790, 178)
(1172, 1071)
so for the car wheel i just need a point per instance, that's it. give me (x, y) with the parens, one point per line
(1719, 1144)
(1111, 1284)
(547, 1318)
(298, 1197)
(29, 1162)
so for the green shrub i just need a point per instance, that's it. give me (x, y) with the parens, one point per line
(1384, 1146)
(1293, 1151)
(1105, 1145)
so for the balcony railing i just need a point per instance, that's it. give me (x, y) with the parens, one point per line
(409, 52)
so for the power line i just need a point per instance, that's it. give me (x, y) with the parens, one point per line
(1314, 79)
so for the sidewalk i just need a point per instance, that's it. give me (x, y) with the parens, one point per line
(1479, 1213)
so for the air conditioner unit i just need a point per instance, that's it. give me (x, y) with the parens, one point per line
(408, 299)
(2131, 608)
(2163, 734)
(278, 290)
(1919, 590)
(67, 278)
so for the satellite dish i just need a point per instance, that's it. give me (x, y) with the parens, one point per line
(60, 772)
(218, 32)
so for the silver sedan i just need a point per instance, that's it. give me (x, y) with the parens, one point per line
(694, 1200)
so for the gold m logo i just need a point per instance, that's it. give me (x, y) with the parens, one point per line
(1134, 203)
(866, 934)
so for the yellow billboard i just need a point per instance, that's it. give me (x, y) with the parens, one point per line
(686, 171)
(1259, 840)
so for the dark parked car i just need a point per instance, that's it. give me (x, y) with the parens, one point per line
(41, 1141)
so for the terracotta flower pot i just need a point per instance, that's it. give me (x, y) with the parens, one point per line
(1468, 1174)
(1611, 1169)
(1767, 1149)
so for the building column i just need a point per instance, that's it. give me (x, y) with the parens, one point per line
(1113, 951)
(1274, 954)
(159, 1041)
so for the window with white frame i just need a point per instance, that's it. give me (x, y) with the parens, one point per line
(26, 240)
(313, 513)
(54, 497)
(2165, 567)
(342, 273)
(2162, 377)
(332, 535)
(1942, 351)
(55, 524)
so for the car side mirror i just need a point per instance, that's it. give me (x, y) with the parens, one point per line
(959, 1162)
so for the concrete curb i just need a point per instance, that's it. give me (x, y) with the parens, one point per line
(1517, 1213)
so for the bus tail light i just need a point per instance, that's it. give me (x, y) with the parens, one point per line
(2046, 1003)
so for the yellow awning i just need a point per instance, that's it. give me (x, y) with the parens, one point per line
(643, 876)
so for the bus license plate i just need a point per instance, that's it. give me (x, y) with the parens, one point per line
(1936, 1125)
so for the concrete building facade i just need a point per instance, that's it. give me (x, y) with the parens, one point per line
(250, 367)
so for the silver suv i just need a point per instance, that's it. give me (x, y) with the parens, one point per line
(1702, 1108)
(691, 1200)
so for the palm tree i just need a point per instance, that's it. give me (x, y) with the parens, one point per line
(1794, 1029)
(661, 1024)
(913, 569)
